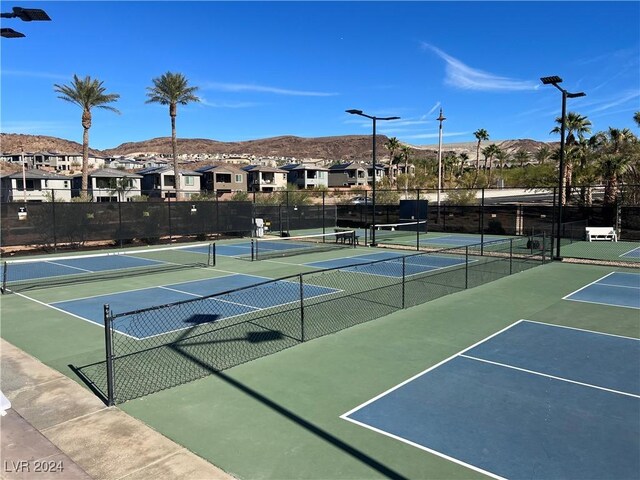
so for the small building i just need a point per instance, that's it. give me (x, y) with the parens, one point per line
(35, 186)
(265, 179)
(160, 182)
(223, 178)
(110, 185)
(306, 176)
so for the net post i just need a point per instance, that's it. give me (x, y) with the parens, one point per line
(108, 341)
(212, 254)
(482, 224)
(418, 219)
(466, 267)
(254, 248)
(302, 338)
(511, 255)
(353, 238)
(4, 277)
(53, 220)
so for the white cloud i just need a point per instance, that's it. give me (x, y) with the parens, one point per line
(433, 109)
(36, 127)
(23, 73)
(462, 76)
(622, 99)
(207, 103)
(244, 87)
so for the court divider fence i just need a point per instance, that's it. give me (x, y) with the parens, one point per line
(153, 349)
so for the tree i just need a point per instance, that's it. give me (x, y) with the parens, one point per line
(392, 145)
(405, 151)
(542, 154)
(480, 134)
(521, 156)
(87, 93)
(490, 152)
(464, 158)
(172, 89)
(618, 149)
(576, 127)
(636, 118)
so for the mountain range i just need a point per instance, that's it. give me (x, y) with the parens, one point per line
(343, 148)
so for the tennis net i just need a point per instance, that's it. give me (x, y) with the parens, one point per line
(40, 272)
(265, 248)
(397, 233)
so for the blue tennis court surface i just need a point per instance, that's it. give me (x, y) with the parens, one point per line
(232, 304)
(533, 401)
(393, 267)
(620, 289)
(635, 253)
(65, 266)
(462, 240)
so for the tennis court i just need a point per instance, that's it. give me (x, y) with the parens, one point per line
(621, 289)
(537, 397)
(260, 403)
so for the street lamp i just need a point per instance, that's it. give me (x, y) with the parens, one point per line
(24, 14)
(441, 119)
(555, 80)
(373, 191)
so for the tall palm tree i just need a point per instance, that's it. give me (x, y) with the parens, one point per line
(616, 159)
(576, 127)
(480, 134)
(172, 89)
(521, 156)
(405, 151)
(542, 154)
(87, 93)
(489, 152)
(392, 145)
(464, 157)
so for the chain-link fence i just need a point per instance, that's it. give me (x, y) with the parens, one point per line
(157, 348)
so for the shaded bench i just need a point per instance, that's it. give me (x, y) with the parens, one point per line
(601, 233)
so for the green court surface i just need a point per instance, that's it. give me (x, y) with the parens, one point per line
(620, 251)
(278, 417)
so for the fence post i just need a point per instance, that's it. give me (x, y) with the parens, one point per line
(169, 217)
(53, 220)
(403, 280)
(544, 247)
(254, 250)
(482, 224)
(120, 232)
(301, 308)
(418, 219)
(108, 341)
(466, 267)
(323, 205)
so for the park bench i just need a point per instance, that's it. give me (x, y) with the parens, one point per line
(344, 235)
(601, 233)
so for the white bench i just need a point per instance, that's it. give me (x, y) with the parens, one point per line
(601, 233)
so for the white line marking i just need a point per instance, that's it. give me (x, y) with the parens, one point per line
(600, 303)
(630, 251)
(68, 266)
(426, 449)
(533, 372)
(587, 285)
(582, 330)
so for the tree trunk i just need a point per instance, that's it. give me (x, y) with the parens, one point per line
(174, 149)
(86, 125)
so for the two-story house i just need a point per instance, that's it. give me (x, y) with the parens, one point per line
(223, 178)
(350, 174)
(35, 186)
(306, 176)
(161, 182)
(110, 185)
(265, 179)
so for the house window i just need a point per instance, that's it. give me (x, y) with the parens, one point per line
(238, 178)
(188, 181)
(32, 184)
(223, 178)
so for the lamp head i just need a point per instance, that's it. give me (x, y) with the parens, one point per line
(354, 112)
(576, 95)
(551, 80)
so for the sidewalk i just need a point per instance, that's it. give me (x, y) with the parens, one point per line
(57, 425)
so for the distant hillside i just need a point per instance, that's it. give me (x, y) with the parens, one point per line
(347, 147)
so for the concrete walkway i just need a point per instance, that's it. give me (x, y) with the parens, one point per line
(57, 425)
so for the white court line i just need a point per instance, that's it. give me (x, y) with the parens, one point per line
(68, 266)
(562, 379)
(626, 253)
(566, 297)
(602, 303)
(582, 330)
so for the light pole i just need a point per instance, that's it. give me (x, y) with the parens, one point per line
(555, 80)
(373, 191)
(441, 119)
(24, 14)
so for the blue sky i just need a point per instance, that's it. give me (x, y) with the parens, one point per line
(267, 69)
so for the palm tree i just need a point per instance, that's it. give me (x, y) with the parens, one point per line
(616, 159)
(480, 134)
(87, 93)
(501, 156)
(392, 145)
(576, 126)
(172, 89)
(489, 152)
(521, 156)
(405, 150)
(464, 157)
(542, 154)
(636, 118)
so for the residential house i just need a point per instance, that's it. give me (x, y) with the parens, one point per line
(60, 162)
(223, 178)
(35, 186)
(306, 176)
(265, 179)
(350, 174)
(110, 185)
(124, 163)
(160, 182)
